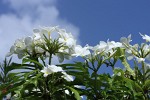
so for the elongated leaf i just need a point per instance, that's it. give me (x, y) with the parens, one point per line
(25, 60)
(147, 84)
(77, 96)
(133, 85)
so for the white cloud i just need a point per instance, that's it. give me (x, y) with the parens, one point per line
(26, 15)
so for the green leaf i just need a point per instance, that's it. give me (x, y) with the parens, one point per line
(25, 60)
(77, 96)
(147, 84)
(132, 85)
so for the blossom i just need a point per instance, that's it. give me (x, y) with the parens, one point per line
(67, 92)
(61, 56)
(145, 37)
(54, 69)
(8, 96)
(67, 77)
(147, 66)
(81, 51)
(37, 36)
(106, 46)
(12, 50)
(51, 69)
(48, 30)
(100, 47)
(18, 48)
(113, 44)
(66, 38)
(140, 59)
(129, 54)
(125, 40)
(39, 33)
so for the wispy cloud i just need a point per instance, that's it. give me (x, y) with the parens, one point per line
(24, 15)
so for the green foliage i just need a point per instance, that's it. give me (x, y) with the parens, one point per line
(37, 79)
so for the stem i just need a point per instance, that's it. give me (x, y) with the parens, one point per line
(145, 94)
(95, 85)
(48, 96)
(143, 72)
(50, 59)
(43, 61)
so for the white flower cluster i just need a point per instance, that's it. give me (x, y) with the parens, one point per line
(32, 45)
(141, 53)
(106, 47)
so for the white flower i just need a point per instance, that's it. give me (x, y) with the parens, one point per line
(147, 66)
(78, 86)
(67, 77)
(38, 49)
(26, 91)
(36, 89)
(129, 54)
(113, 44)
(37, 36)
(39, 33)
(8, 96)
(145, 37)
(140, 59)
(28, 41)
(48, 30)
(62, 56)
(100, 47)
(12, 50)
(67, 92)
(20, 44)
(66, 38)
(125, 40)
(79, 51)
(51, 69)
(106, 47)
(54, 69)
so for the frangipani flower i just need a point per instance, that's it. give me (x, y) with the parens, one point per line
(12, 50)
(18, 48)
(113, 44)
(145, 37)
(51, 69)
(66, 38)
(100, 47)
(140, 59)
(39, 33)
(81, 51)
(61, 56)
(126, 41)
(54, 69)
(106, 47)
(67, 77)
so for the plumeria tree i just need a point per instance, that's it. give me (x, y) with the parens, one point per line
(40, 77)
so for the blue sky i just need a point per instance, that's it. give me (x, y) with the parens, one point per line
(90, 21)
(103, 19)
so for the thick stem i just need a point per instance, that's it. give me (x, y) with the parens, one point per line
(50, 59)
(143, 69)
